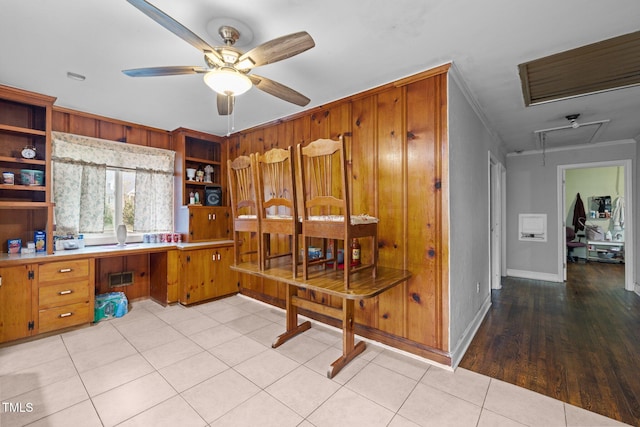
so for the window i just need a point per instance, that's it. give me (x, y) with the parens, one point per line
(99, 184)
(120, 199)
(119, 206)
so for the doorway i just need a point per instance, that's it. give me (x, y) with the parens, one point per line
(625, 180)
(497, 231)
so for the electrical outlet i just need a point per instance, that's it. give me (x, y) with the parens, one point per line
(478, 287)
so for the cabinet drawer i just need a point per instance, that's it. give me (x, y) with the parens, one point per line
(54, 271)
(63, 294)
(63, 317)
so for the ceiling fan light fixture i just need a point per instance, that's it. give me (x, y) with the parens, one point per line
(227, 81)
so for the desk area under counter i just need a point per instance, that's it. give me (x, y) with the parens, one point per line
(46, 292)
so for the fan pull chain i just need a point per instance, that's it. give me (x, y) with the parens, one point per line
(229, 122)
(233, 115)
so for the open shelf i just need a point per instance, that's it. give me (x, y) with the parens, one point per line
(21, 161)
(200, 160)
(18, 187)
(22, 130)
(25, 205)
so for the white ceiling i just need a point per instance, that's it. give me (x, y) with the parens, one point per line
(359, 45)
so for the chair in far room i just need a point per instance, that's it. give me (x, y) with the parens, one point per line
(572, 243)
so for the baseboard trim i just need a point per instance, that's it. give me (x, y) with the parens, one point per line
(535, 275)
(458, 353)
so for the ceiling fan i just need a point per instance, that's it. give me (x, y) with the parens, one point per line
(227, 68)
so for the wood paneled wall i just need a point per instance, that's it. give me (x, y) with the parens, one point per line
(79, 123)
(397, 149)
(397, 152)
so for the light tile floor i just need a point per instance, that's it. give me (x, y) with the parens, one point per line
(213, 365)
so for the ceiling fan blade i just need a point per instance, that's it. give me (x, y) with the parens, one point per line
(164, 71)
(176, 28)
(279, 90)
(225, 104)
(276, 50)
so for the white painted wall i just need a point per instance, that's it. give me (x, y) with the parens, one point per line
(532, 188)
(469, 143)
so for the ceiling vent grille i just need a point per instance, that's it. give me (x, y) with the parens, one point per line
(606, 65)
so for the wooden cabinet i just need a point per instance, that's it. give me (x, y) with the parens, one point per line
(16, 292)
(196, 150)
(206, 274)
(25, 121)
(203, 223)
(65, 294)
(173, 276)
(46, 297)
(226, 279)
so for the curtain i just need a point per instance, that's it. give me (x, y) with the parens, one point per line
(79, 175)
(78, 193)
(154, 193)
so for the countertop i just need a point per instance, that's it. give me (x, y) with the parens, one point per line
(104, 251)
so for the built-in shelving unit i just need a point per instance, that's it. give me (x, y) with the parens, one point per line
(203, 221)
(25, 121)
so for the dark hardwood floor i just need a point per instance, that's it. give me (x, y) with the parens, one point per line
(578, 342)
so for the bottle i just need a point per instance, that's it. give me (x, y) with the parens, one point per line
(197, 197)
(355, 252)
(192, 198)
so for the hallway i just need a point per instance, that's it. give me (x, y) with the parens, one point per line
(578, 342)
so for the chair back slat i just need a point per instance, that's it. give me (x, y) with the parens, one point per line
(241, 186)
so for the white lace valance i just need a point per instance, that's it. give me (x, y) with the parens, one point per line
(68, 147)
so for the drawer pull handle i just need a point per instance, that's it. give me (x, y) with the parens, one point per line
(65, 270)
(67, 292)
(63, 315)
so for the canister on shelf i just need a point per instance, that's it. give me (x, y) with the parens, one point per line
(8, 178)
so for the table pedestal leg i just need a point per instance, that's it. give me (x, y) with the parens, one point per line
(349, 350)
(293, 328)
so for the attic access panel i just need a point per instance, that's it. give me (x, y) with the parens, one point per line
(567, 135)
(606, 65)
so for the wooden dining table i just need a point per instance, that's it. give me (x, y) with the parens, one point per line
(329, 281)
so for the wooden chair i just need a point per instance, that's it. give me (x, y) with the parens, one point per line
(326, 211)
(277, 208)
(242, 191)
